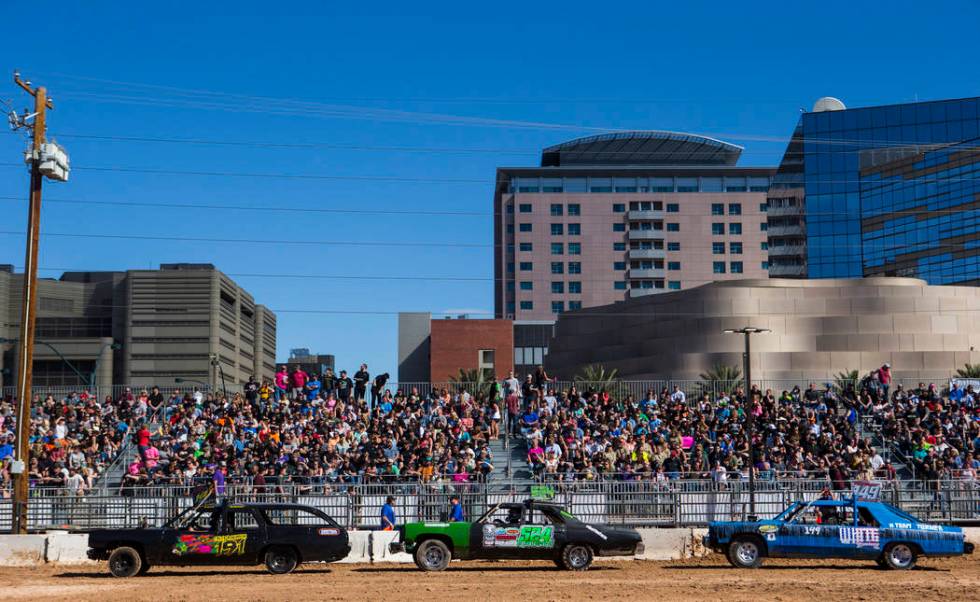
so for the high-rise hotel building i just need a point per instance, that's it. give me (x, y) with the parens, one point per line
(614, 216)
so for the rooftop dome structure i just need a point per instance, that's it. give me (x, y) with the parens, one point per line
(641, 148)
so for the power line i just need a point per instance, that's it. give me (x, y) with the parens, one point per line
(239, 241)
(275, 208)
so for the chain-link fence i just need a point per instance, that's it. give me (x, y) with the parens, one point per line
(634, 503)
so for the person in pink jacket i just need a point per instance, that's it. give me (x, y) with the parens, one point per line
(282, 383)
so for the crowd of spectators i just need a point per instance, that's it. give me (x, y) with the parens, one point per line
(309, 430)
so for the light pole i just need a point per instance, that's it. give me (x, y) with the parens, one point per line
(747, 332)
(93, 381)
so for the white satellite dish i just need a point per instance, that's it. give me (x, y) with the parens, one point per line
(828, 103)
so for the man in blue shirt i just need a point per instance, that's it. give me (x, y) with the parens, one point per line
(388, 514)
(456, 510)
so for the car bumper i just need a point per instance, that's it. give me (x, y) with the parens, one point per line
(633, 550)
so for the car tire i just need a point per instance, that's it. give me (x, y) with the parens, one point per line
(745, 553)
(432, 555)
(576, 557)
(145, 568)
(899, 556)
(125, 561)
(281, 560)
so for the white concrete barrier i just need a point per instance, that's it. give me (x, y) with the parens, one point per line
(22, 550)
(672, 544)
(360, 547)
(67, 548)
(379, 548)
(972, 535)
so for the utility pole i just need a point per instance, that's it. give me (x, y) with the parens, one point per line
(45, 160)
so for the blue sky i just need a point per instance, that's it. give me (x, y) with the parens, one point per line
(385, 107)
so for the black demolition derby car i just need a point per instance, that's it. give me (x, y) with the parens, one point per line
(279, 535)
(529, 530)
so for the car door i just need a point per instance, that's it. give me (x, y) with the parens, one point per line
(540, 535)
(495, 537)
(241, 537)
(803, 535)
(194, 541)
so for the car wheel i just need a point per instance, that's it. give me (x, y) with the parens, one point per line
(432, 555)
(145, 568)
(576, 557)
(281, 560)
(745, 553)
(880, 561)
(899, 556)
(125, 562)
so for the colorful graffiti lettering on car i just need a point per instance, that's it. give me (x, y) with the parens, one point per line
(216, 545)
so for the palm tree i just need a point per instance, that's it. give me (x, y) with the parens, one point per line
(473, 380)
(844, 378)
(595, 377)
(720, 377)
(969, 371)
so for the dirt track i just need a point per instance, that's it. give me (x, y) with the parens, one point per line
(708, 579)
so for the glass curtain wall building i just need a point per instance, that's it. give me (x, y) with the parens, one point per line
(880, 191)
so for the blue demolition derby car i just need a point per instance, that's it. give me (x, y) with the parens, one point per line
(827, 528)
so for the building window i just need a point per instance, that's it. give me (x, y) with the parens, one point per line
(673, 246)
(527, 305)
(619, 265)
(765, 265)
(557, 248)
(525, 208)
(575, 287)
(510, 228)
(763, 207)
(557, 288)
(718, 267)
(764, 245)
(527, 266)
(735, 248)
(510, 307)
(717, 209)
(735, 228)
(617, 208)
(574, 229)
(486, 365)
(557, 267)
(674, 285)
(620, 227)
(527, 285)
(557, 307)
(736, 267)
(734, 208)
(673, 266)
(510, 286)
(574, 267)
(557, 209)
(764, 227)
(619, 285)
(717, 229)
(673, 207)
(574, 305)
(557, 229)
(510, 208)
(673, 227)
(574, 209)
(619, 246)
(510, 267)
(526, 247)
(525, 228)
(717, 248)
(574, 248)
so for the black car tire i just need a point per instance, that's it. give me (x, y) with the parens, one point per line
(880, 561)
(745, 553)
(281, 560)
(899, 556)
(125, 561)
(432, 555)
(145, 568)
(576, 557)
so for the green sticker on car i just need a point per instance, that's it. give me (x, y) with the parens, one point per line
(536, 537)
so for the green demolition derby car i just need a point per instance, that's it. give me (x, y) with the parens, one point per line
(532, 530)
